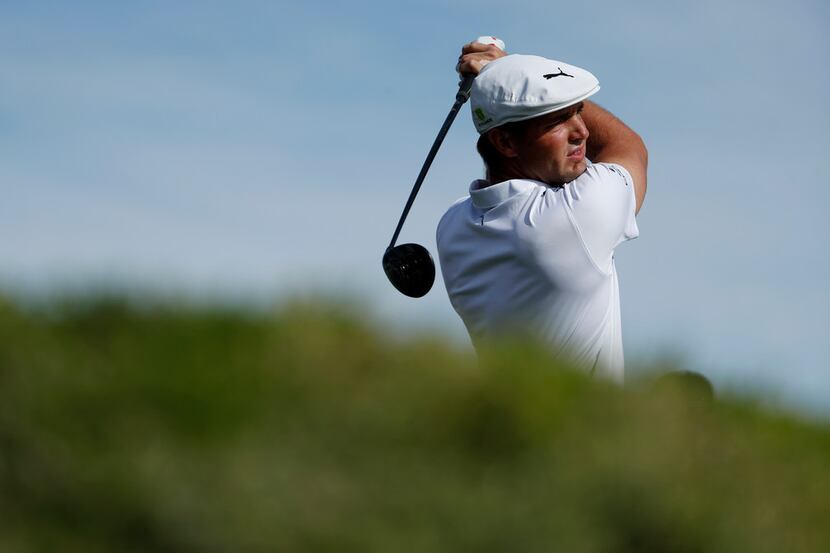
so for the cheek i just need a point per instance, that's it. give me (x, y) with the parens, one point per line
(547, 150)
(556, 148)
(556, 141)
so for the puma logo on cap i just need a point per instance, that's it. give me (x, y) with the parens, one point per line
(552, 75)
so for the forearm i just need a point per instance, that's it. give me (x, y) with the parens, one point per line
(608, 135)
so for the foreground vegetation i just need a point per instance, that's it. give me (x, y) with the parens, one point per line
(164, 428)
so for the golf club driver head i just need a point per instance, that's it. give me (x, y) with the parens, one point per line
(410, 269)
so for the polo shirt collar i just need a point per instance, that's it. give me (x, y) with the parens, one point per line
(488, 197)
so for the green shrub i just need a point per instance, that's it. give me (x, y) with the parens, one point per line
(168, 428)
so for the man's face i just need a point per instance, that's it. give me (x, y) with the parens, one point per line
(551, 148)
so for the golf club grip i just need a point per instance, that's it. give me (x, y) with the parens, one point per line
(467, 78)
(427, 163)
(464, 87)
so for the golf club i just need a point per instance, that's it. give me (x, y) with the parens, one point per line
(409, 267)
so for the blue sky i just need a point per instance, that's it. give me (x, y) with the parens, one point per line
(258, 150)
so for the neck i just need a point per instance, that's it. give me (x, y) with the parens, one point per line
(501, 174)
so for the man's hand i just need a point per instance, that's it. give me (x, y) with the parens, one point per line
(475, 55)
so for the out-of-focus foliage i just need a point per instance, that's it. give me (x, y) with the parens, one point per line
(178, 429)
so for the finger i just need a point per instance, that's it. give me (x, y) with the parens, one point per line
(464, 65)
(472, 64)
(475, 46)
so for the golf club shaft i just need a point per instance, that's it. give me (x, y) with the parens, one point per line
(460, 99)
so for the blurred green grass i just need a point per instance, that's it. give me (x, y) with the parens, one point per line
(166, 427)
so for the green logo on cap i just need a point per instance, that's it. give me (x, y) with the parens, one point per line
(480, 115)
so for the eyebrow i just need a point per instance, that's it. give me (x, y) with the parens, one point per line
(568, 112)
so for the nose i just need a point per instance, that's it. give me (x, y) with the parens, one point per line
(579, 132)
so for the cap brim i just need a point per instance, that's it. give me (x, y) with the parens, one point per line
(557, 107)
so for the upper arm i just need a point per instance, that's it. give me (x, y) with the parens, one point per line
(631, 154)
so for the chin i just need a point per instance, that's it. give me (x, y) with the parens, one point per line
(577, 170)
(566, 174)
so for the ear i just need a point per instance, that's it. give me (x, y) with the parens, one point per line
(502, 141)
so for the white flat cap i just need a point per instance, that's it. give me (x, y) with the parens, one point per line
(519, 87)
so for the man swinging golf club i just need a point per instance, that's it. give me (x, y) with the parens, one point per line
(530, 251)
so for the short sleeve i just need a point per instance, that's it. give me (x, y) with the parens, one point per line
(602, 206)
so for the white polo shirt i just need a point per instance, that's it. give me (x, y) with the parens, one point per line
(522, 257)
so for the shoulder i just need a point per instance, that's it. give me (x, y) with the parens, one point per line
(601, 188)
(602, 206)
(613, 172)
(457, 205)
(610, 174)
(452, 212)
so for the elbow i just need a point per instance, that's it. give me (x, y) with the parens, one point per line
(641, 186)
(642, 150)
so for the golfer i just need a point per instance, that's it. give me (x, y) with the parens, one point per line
(530, 251)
